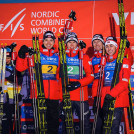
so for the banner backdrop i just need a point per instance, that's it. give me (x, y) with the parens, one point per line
(19, 21)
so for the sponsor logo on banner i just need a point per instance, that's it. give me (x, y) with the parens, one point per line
(27, 127)
(13, 27)
(40, 22)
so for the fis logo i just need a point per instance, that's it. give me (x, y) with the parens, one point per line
(10, 23)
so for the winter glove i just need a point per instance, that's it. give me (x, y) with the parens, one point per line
(23, 50)
(73, 85)
(127, 44)
(72, 15)
(94, 105)
(31, 51)
(82, 44)
(13, 45)
(108, 99)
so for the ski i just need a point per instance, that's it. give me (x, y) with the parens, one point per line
(15, 89)
(33, 95)
(130, 110)
(109, 117)
(67, 108)
(100, 85)
(2, 86)
(41, 102)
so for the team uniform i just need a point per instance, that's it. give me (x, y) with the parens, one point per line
(120, 91)
(73, 65)
(50, 65)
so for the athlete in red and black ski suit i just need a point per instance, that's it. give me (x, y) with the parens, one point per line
(77, 85)
(50, 73)
(120, 91)
(97, 43)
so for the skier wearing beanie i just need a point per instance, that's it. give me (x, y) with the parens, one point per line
(50, 73)
(120, 90)
(75, 83)
(97, 43)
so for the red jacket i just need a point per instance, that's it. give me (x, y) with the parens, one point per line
(120, 91)
(96, 68)
(51, 87)
(75, 94)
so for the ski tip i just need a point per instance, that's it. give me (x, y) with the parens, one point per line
(58, 35)
(1, 44)
(5, 44)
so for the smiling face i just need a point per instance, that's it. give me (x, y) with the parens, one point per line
(110, 49)
(48, 43)
(71, 45)
(8, 60)
(97, 44)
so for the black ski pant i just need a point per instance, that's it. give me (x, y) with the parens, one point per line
(52, 116)
(8, 122)
(76, 108)
(118, 113)
(99, 122)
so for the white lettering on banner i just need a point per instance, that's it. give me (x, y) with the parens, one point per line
(42, 20)
(48, 22)
(43, 30)
(45, 14)
(28, 127)
(116, 17)
(1, 26)
(18, 23)
(132, 18)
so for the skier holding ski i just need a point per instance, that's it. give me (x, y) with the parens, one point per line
(97, 43)
(10, 91)
(120, 91)
(50, 75)
(78, 87)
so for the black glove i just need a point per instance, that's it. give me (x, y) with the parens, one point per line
(94, 105)
(23, 50)
(127, 44)
(31, 51)
(13, 45)
(73, 85)
(108, 99)
(82, 44)
(72, 15)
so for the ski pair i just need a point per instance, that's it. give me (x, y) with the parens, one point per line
(100, 85)
(108, 120)
(67, 107)
(40, 109)
(2, 79)
(15, 89)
